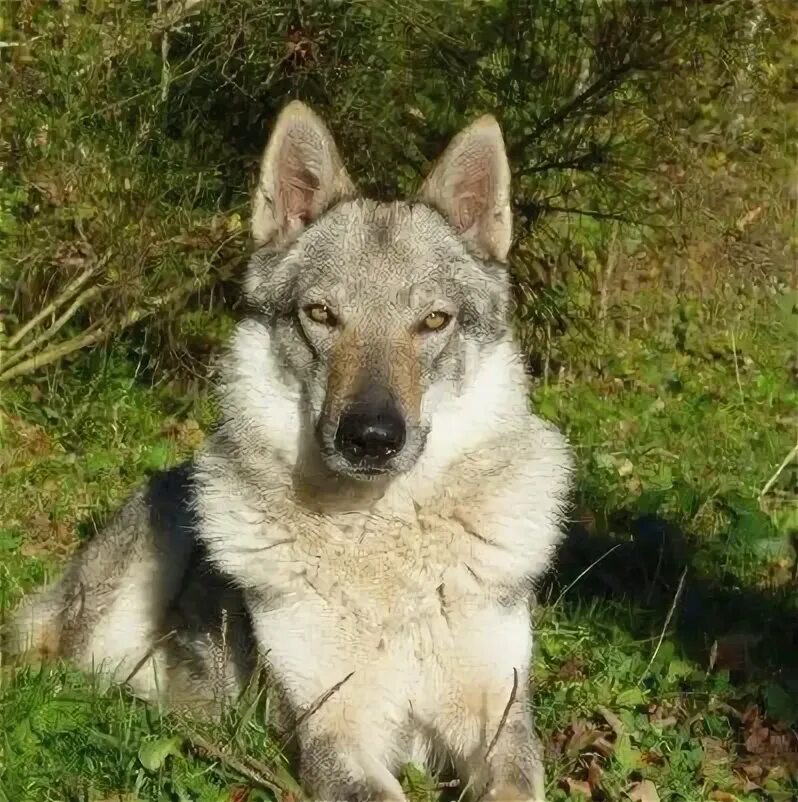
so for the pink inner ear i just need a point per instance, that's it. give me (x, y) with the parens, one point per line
(471, 198)
(298, 188)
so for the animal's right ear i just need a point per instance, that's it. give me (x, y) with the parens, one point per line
(301, 175)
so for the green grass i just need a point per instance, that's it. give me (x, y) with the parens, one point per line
(598, 649)
(663, 345)
(64, 739)
(668, 442)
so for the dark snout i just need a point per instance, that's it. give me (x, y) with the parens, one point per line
(371, 430)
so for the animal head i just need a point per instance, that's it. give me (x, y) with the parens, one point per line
(379, 311)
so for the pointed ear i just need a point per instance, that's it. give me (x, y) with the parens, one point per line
(470, 186)
(301, 175)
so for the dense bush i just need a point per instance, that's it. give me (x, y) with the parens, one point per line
(131, 131)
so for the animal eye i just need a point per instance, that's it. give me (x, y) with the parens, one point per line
(320, 313)
(435, 321)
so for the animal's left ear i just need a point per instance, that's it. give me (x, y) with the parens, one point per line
(470, 186)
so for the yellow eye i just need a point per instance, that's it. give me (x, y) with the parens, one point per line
(320, 313)
(435, 321)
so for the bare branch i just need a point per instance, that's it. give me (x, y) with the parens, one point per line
(535, 210)
(95, 335)
(773, 479)
(604, 82)
(15, 356)
(260, 775)
(505, 714)
(315, 707)
(68, 293)
(668, 618)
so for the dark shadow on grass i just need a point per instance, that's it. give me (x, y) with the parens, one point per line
(640, 559)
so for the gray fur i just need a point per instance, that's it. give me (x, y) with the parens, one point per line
(411, 580)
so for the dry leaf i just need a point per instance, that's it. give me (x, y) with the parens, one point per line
(749, 217)
(574, 786)
(659, 717)
(625, 468)
(604, 746)
(752, 770)
(757, 741)
(594, 774)
(571, 669)
(715, 751)
(778, 772)
(651, 758)
(644, 791)
(582, 737)
(612, 720)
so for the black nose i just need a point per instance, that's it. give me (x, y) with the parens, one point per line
(371, 430)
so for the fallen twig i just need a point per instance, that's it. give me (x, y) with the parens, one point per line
(731, 712)
(62, 298)
(505, 714)
(773, 479)
(586, 571)
(615, 723)
(13, 357)
(254, 771)
(148, 654)
(96, 334)
(315, 707)
(668, 617)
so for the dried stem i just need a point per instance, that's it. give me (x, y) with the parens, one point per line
(606, 82)
(148, 654)
(96, 334)
(64, 297)
(314, 708)
(16, 356)
(773, 479)
(668, 617)
(253, 770)
(505, 714)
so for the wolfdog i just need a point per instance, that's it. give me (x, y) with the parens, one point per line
(370, 513)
